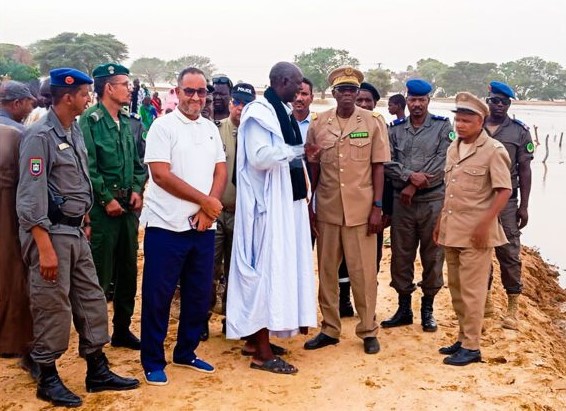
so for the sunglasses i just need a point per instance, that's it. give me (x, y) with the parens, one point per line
(498, 100)
(237, 102)
(222, 80)
(189, 92)
(346, 89)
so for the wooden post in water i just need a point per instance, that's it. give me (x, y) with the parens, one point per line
(546, 148)
(560, 142)
(536, 134)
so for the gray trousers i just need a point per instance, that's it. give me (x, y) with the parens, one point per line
(509, 254)
(75, 295)
(411, 228)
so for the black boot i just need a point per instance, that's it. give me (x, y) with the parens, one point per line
(346, 309)
(100, 378)
(427, 319)
(404, 314)
(123, 337)
(51, 388)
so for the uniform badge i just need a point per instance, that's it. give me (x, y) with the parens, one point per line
(111, 69)
(360, 134)
(452, 136)
(530, 147)
(69, 80)
(36, 166)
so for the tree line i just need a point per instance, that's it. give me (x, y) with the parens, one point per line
(533, 78)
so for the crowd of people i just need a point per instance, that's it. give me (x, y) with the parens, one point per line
(233, 191)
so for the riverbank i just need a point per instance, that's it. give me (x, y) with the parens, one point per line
(522, 369)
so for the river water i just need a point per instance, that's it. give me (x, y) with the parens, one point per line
(548, 193)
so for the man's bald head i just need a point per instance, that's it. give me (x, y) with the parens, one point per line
(286, 79)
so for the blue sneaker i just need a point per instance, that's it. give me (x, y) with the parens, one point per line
(197, 364)
(155, 377)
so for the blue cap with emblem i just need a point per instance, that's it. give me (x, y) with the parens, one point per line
(498, 87)
(418, 87)
(68, 77)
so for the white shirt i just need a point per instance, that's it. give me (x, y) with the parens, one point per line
(192, 148)
(304, 126)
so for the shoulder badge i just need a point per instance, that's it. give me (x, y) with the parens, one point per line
(376, 114)
(135, 116)
(441, 118)
(398, 121)
(530, 147)
(314, 116)
(125, 111)
(96, 115)
(218, 123)
(519, 122)
(452, 136)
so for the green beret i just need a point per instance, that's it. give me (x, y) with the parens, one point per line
(110, 69)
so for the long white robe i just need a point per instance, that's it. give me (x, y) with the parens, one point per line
(271, 283)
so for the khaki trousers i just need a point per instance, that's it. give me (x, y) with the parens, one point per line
(468, 275)
(360, 251)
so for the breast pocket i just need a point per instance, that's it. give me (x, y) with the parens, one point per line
(360, 149)
(473, 178)
(68, 165)
(328, 153)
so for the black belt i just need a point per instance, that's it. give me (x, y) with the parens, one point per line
(70, 221)
(423, 190)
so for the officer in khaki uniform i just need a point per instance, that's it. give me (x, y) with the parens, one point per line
(53, 201)
(117, 178)
(478, 185)
(346, 147)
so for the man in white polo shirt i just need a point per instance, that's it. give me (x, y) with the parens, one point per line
(187, 178)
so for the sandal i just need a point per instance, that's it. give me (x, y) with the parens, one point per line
(276, 365)
(275, 349)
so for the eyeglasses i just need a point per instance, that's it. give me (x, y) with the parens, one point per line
(498, 100)
(189, 92)
(346, 89)
(237, 102)
(222, 80)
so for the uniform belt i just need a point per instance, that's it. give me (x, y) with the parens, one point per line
(423, 190)
(71, 221)
(122, 193)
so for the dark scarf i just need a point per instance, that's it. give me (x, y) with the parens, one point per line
(292, 136)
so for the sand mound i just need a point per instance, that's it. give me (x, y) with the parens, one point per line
(522, 369)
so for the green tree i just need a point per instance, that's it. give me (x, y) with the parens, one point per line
(81, 51)
(430, 70)
(149, 69)
(533, 77)
(174, 67)
(16, 53)
(401, 77)
(467, 76)
(17, 71)
(319, 62)
(380, 79)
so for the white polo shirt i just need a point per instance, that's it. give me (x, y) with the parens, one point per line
(192, 148)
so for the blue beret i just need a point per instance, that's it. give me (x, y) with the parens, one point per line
(498, 87)
(110, 69)
(68, 77)
(418, 87)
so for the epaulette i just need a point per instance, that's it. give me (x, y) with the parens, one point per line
(376, 114)
(498, 144)
(135, 115)
(314, 116)
(218, 123)
(398, 121)
(519, 122)
(442, 118)
(96, 115)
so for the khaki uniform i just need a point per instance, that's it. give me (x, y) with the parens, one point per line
(54, 161)
(344, 199)
(516, 138)
(470, 184)
(225, 222)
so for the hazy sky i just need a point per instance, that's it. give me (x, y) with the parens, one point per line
(245, 38)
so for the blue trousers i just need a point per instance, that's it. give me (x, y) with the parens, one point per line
(171, 257)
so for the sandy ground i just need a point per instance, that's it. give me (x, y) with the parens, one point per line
(520, 370)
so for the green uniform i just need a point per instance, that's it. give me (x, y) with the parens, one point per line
(115, 171)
